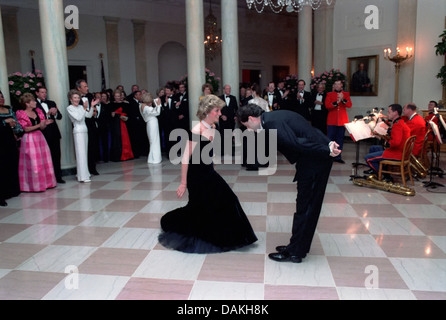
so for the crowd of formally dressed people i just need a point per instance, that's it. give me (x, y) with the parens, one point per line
(114, 126)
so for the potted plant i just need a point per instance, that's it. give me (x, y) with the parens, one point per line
(441, 51)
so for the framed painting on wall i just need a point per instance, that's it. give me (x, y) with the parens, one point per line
(363, 75)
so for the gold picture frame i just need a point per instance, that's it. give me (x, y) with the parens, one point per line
(72, 38)
(363, 75)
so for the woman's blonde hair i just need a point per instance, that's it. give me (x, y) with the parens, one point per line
(147, 98)
(207, 104)
(26, 98)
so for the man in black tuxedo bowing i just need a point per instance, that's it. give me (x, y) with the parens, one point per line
(51, 132)
(313, 154)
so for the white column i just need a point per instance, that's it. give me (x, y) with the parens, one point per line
(230, 45)
(4, 86)
(195, 53)
(52, 24)
(139, 32)
(305, 44)
(112, 41)
(320, 37)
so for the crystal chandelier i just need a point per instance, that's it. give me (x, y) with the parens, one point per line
(277, 6)
(212, 42)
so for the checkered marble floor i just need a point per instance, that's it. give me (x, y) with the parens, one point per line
(99, 240)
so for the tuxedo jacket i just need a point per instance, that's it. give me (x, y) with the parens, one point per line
(337, 113)
(90, 122)
(51, 131)
(104, 117)
(168, 116)
(297, 140)
(303, 107)
(183, 109)
(313, 99)
(276, 97)
(229, 111)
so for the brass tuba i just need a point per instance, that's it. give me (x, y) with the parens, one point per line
(419, 168)
(372, 182)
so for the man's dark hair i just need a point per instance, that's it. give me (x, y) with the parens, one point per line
(250, 110)
(396, 107)
(434, 102)
(412, 106)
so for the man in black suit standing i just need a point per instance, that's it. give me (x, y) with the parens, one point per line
(318, 111)
(303, 102)
(168, 118)
(182, 107)
(51, 132)
(136, 126)
(228, 112)
(313, 154)
(272, 97)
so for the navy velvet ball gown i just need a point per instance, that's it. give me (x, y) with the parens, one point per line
(213, 221)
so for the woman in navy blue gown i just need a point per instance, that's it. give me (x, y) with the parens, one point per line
(213, 221)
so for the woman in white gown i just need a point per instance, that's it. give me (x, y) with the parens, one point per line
(257, 99)
(150, 109)
(77, 114)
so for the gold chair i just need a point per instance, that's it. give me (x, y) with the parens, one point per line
(403, 164)
(423, 158)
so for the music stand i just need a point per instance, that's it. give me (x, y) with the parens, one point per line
(437, 142)
(358, 131)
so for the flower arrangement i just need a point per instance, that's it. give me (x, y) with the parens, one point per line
(210, 78)
(24, 83)
(291, 81)
(328, 78)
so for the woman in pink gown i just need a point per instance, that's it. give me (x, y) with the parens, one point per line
(36, 172)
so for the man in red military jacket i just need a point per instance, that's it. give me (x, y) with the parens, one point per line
(417, 126)
(431, 116)
(399, 133)
(337, 103)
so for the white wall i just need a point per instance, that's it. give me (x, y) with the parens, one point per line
(430, 24)
(352, 39)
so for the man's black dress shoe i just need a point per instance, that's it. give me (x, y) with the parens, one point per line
(61, 181)
(281, 248)
(95, 173)
(3, 203)
(284, 257)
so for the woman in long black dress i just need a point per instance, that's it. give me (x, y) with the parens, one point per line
(213, 221)
(10, 128)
